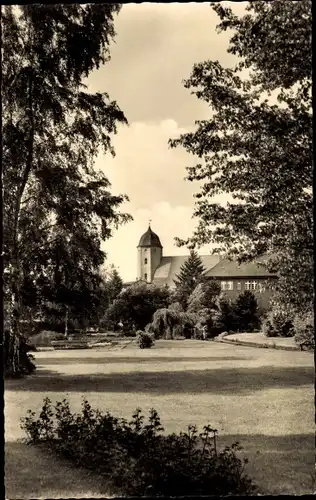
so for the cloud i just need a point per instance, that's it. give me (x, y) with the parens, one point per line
(146, 168)
(155, 49)
(152, 176)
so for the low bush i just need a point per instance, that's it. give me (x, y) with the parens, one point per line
(149, 328)
(178, 331)
(44, 338)
(304, 330)
(135, 458)
(144, 340)
(278, 322)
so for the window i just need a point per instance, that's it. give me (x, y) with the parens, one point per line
(145, 261)
(238, 285)
(145, 276)
(251, 285)
(227, 285)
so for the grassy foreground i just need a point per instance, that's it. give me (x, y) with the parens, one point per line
(263, 398)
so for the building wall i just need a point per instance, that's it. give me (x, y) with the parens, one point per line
(262, 292)
(156, 255)
(148, 259)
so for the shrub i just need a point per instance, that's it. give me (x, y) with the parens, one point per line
(227, 321)
(170, 322)
(215, 327)
(247, 312)
(178, 331)
(212, 319)
(304, 330)
(204, 296)
(44, 338)
(176, 306)
(278, 323)
(144, 340)
(135, 458)
(137, 303)
(163, 322)
(149, 328)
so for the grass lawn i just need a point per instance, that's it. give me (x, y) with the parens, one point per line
(261, 397)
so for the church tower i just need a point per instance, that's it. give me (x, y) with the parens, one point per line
(149, 254)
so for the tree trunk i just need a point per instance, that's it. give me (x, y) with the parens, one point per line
(66, 322)
(12, 356)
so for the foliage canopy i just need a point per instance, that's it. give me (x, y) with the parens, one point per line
(256, 148)
(57, 206)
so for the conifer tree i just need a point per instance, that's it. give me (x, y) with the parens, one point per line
(114, 285)
(190, 275)
(247, 312)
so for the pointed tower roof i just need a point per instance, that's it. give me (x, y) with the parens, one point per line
(149, 239)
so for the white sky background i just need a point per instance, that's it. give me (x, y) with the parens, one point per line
(155, 48)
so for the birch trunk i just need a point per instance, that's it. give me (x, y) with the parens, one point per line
(14, 365)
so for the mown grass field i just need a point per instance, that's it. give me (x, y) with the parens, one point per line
(263, 398)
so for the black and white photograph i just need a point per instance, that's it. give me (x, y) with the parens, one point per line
(157, 249)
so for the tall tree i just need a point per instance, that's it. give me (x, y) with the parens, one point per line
(57, 207)
(205, 295)
(246, 312)
(136, 304)
(257, 145)
(190, 275)
(114, 284)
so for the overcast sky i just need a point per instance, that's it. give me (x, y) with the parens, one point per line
(155, 49)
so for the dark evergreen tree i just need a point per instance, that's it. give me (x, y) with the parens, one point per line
(114, 285)
(190, 275)
(228, 319)
(246, 312)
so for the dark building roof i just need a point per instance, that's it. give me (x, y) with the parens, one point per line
(230, 269)
(216, 267)
(169, 267)
(149, 239)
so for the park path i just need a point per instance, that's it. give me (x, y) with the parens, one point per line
(260, 340)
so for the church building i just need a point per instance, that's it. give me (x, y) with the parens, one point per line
(154, 267)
